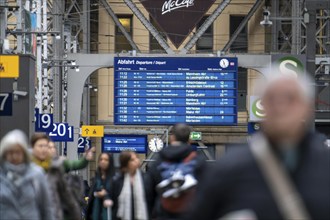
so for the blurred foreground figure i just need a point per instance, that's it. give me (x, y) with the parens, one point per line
(175, 175)
(66, 190)
(99, 200)
(23, 186)
(128, 192)
(284, 173)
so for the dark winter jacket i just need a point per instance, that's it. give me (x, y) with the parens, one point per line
(95, 209)
(174, 154)
(64, 204)
(236, 183)
(28, 199)
(117, 186)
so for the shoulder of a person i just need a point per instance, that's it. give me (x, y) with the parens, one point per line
(2, 173)
(152, 166)
(36, 170)
(319, 141)
(238, 159)
(59, 162)
(144, 175)
(118, 177)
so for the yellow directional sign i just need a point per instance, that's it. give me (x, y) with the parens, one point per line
(92, 131)
(9, 66)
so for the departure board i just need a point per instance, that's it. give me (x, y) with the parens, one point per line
(169, 90)
(118, 143)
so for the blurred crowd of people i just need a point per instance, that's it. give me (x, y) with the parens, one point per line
(282, 172)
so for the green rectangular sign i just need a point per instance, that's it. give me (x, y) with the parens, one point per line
(196, 136)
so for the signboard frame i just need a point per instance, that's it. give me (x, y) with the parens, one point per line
(9, 66)
(95, 131)
(166, 13)
(6, 104)
(228, 67)
(145, 137)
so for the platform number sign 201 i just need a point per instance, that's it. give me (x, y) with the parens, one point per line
(61, 132)
(6, 104)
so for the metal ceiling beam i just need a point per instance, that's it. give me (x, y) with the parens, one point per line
(58, 47)
(155, 33)
(85, 26)
(205, 26)
(245, 21)
(68, 11)
(318, 4)
(296, 26)
(114, 17)
(3, 22)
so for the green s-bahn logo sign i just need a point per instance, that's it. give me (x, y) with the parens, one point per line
(281, 64)
(257, 112)
(258, 109)
(291, 65)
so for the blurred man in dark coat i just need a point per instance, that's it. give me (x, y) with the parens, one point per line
(236, 188)
(175, 154)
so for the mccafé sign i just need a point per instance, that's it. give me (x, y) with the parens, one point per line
(172, 5)
(177, 18)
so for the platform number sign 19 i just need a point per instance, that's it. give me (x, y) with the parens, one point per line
(43, 122)
(61, 132)
(6, 104)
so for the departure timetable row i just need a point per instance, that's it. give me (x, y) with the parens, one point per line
(165, 76)
(160, 110)
(180, 93)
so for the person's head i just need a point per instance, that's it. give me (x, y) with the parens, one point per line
(52, 151)
(129, 162)
(287, 103)
(180, 133)
(104, 162)
(39, 144)
(14, 148)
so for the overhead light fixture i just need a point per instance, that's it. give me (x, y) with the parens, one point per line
(73, 62)
(266, 22)
(44, 64)
(6, 45)
(77, 69)
(58, 37)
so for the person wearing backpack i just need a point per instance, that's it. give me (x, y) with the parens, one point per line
(174, 176)
(129, 192)
(284, 170)
(63, 187)
(24, 190)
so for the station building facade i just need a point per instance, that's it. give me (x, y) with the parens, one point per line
(110, 40)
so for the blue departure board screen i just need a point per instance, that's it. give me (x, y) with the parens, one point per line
(169, 90)
(118, 143)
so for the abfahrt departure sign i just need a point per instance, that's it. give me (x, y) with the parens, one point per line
(168, 90)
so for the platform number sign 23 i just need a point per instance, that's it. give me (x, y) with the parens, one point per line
(83, 144)
(6, 104)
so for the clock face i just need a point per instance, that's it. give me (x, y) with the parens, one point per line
(156, 144)
(224, 63)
